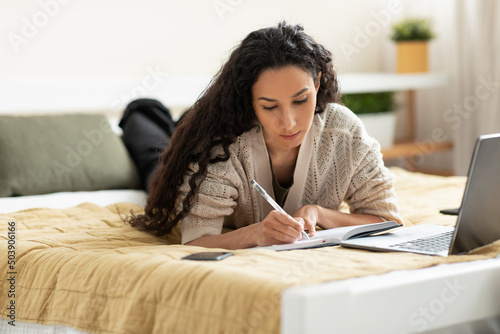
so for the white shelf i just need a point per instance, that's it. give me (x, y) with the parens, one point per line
(383, 82)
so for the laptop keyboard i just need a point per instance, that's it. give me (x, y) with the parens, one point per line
(434, 244)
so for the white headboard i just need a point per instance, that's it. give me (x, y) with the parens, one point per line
(109, 96)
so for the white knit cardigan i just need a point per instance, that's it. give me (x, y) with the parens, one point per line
(337, 162)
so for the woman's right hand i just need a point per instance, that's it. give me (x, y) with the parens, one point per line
(278, 228)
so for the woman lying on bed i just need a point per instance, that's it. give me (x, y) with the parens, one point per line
(271, 114)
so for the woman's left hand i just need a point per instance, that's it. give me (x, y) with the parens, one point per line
(309, 215)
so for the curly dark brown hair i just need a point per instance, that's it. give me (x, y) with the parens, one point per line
(224, 111)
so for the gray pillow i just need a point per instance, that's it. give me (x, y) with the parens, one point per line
(44, 154)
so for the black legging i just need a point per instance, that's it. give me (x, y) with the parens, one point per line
(147, 127)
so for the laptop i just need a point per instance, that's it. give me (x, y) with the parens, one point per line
(478, 220)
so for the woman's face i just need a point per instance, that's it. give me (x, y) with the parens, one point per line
(284, 101)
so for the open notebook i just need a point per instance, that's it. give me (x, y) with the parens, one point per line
(478, 221)
(334, 236)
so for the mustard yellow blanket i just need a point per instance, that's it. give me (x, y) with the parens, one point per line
(83, 267)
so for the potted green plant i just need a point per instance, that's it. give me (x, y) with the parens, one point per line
(412, 36)
(377, 112)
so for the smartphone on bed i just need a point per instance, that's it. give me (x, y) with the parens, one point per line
(207, 256)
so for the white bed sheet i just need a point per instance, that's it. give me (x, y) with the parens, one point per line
(62, 200)
(31, 328)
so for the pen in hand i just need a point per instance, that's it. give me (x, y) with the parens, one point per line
(271, 201)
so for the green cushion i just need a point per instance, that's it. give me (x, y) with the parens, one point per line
(44, 154)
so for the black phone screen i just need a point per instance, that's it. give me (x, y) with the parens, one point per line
(207, 256)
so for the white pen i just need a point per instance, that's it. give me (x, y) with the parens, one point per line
(273, 203)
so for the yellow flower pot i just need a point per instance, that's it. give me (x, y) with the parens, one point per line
(412, 57)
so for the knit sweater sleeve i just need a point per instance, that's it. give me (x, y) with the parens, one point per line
(215, 199)
(371, 188)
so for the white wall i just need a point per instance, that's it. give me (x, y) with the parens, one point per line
(67, 41)
(56, 45)
(122, 38)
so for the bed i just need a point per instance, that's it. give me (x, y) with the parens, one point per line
(79, 268)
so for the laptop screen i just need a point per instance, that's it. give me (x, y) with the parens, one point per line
(478, 221)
